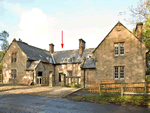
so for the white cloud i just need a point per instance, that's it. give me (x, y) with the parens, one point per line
(40, 29)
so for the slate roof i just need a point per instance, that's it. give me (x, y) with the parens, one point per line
(33, 65)
(62, 56)
(88, 63)
(58, 57)
(34, 53)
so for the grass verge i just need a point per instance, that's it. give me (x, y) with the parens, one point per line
(143, 101)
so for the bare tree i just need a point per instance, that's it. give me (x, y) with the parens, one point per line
(141, 13)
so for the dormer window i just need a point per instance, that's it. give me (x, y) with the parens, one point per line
(73, 58)
(50, 60)
(69, 60)
(14, 57)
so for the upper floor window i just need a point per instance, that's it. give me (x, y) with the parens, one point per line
(13, 74)
(119, 72)
(119, 49)
(116, 49)
(14, 57)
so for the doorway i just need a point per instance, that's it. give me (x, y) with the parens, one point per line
(59, 77)
(39, 77)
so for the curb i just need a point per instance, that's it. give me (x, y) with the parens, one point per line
(71, 93)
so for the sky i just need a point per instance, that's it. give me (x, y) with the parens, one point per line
(40, 22)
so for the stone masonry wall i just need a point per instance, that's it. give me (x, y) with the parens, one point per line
(75, 68)
(133, 59)
(90, 75)
(19, 65)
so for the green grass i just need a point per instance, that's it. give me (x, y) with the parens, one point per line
(72, 86)
(124, 101)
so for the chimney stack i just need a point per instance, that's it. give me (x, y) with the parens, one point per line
(138, 30)
(81, 45)
(51, 48)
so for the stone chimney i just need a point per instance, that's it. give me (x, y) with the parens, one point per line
(138, 30)
(51, 48)
(81, 46)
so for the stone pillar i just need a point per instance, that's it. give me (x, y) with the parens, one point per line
(82, 78)
(35, 78)
(51, 79)
(63, 79)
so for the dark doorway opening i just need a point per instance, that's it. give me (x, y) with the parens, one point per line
(59, 77)
(39, 73)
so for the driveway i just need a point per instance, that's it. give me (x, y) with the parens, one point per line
(18, 103)
(40, 91)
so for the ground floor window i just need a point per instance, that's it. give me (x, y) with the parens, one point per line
(69, 73)
(39, 73)
(13, 73)
(119, 72)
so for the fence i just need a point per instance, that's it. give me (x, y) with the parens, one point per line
(72, 80)
(43, 80)
(141, 87)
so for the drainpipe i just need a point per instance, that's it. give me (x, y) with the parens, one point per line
(54, 73)
(33, 77)
(84, 78)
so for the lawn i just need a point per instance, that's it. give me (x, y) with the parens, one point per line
(126, 100)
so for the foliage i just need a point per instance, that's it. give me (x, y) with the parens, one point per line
(133, 32)
(147, 78)
(72, 85)
(3, 37)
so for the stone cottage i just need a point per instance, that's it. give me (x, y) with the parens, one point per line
(121, 56)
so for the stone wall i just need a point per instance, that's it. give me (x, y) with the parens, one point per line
(75, 68)
(133, 59)
(45, 69)
(19, 65)
(90, 75)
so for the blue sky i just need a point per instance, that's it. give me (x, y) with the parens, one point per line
(40, 22)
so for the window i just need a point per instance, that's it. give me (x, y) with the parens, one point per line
(69, 73)
(119, 49)
(14, 57)
(13, 74)
(116, 49)
(119, 72)
(116, 72)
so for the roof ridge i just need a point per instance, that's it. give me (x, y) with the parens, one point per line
(72, 50)
(32, 46)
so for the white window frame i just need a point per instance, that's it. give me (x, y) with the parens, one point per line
(115, 72)
(120, 48)
(119, 72)
(115, 49)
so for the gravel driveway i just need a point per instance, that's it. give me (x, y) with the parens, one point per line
(35, 90)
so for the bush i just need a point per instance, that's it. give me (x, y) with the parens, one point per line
(147, 78)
